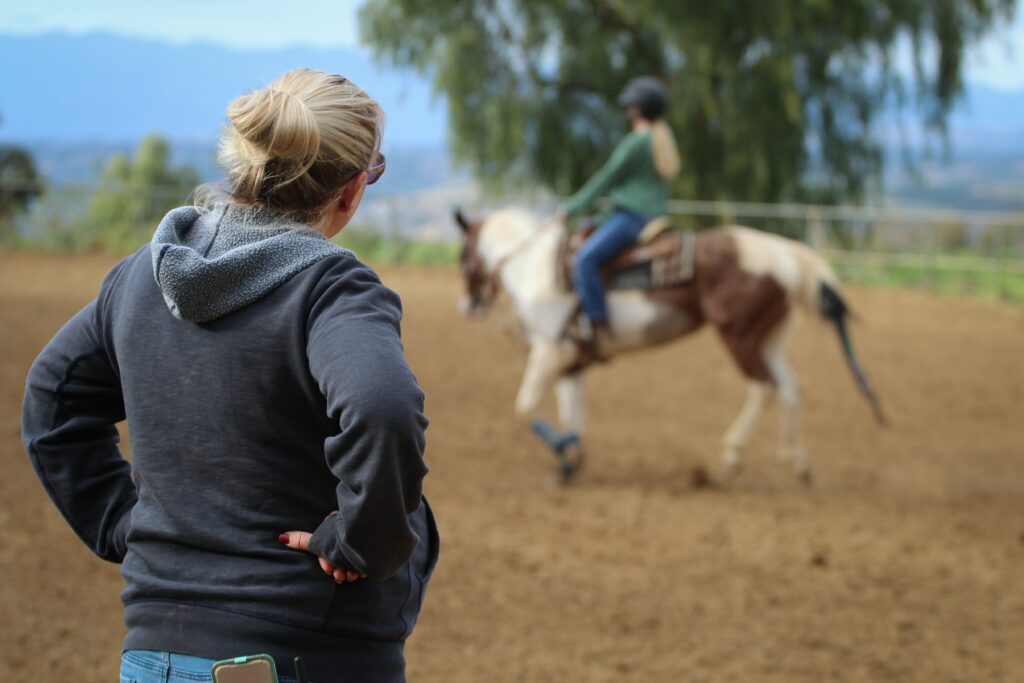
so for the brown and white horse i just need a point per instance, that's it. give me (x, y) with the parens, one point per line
(745, 284)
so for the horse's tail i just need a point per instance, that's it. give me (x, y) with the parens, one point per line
(834, 309)
(814, 272)
(819, 291)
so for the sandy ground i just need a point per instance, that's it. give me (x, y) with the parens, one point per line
(904, 562)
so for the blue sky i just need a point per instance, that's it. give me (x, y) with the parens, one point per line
(250, 25)
(263, 24)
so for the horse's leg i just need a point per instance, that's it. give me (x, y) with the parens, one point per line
(736, 438)
(571, 409)
(749, 344)
(793, 450)
(546, 363)
(543, 366)
(571, 416)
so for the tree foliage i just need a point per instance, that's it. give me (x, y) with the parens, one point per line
(19, 185)
(770, 100)
(134, 194)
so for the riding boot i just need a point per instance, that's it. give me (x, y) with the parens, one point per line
(601, 341)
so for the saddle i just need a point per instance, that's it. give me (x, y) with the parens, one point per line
(660, 258)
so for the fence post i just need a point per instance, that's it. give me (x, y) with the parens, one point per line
(932, 269)
(725, 214)
(814, 237)
(1002, 292)
(815, 230)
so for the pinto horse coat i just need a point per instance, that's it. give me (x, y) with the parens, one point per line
(745, 284)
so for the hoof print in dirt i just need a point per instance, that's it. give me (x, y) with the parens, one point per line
(699, 478)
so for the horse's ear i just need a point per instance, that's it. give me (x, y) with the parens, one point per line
(461, 220)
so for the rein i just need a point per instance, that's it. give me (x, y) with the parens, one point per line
(493, 283)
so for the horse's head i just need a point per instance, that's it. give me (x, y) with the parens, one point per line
(507, 251)
(479, 285)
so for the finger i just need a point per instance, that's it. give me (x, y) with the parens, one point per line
(352, 576)
(299, 540)
(339, 576)
(326, 566)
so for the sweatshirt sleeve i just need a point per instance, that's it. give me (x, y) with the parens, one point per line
(356, 357)
(72, 404)
(604, 179)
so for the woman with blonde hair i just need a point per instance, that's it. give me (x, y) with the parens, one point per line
(636, 178)
(274, 499)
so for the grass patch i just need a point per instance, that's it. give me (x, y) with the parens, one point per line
(373, 247)
(1006, 285)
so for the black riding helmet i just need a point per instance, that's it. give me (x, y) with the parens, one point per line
(647, 94)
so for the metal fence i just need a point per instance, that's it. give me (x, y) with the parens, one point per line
(975, 253)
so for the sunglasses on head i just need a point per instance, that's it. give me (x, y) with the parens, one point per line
(374, 173)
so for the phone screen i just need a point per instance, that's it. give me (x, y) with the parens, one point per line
(252, 671)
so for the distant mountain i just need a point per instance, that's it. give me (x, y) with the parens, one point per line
(410, 168)
(100, 87)
(983, 166)
(76, 99)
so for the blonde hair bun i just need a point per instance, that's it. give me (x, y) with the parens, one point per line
(293, 145)
(275, 124)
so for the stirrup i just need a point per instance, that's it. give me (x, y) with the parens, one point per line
(590, 342)
(578, 330)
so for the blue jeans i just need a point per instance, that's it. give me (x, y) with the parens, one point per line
(611, 239)
(149, 666)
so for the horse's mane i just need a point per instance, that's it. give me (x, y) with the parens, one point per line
(506, 228)
(513, 222)
(510, 231)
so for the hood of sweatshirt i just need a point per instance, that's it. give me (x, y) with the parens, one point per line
(209, 263)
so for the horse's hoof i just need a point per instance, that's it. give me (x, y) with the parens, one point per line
(561, 477)
(732, 465)
(565, 470)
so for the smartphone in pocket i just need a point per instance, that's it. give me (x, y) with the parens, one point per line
(247, 669)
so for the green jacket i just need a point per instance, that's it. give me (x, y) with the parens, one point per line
(629, 178)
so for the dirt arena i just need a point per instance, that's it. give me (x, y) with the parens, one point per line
(904, 562)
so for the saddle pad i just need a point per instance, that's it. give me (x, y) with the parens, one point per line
(666, 269)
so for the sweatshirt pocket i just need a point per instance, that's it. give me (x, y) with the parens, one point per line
(422, 564)
(433, 540)
(388, 609)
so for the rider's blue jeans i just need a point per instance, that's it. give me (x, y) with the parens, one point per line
(611, 239)
(149, 666)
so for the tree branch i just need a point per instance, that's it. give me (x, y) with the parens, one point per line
(615, 19)
(534, 74)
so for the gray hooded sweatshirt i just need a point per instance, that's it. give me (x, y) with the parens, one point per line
(262, 376)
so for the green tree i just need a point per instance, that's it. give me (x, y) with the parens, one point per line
(770, 100)
(20, 184)
(134, 194)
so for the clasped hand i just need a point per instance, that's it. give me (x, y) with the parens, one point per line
(299, 540)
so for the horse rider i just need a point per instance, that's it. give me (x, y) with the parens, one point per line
(636, 178)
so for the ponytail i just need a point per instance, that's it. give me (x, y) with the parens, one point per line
(664, 150)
